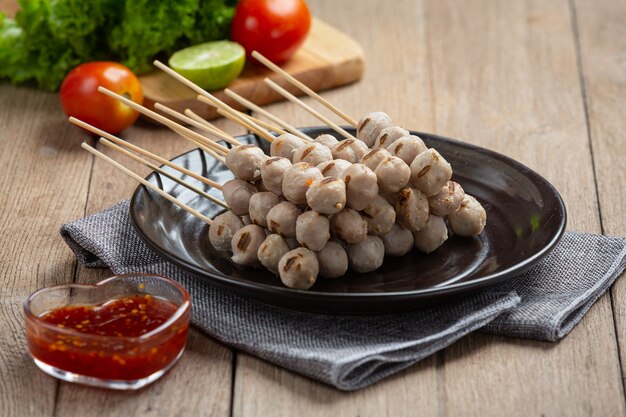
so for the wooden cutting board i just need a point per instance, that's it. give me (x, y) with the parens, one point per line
(328, 58)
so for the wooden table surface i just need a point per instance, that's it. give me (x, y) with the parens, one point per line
(543, 81)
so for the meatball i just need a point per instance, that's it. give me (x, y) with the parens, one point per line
(245, 244)
(361, 186)
(245, 161)
(389, 135)
(430, 172)
(448, 200)
(272, 173)
(237, 195)
(370, 125)
(327, 195)
(469, 219)
(432, 235)
(297, 180)
(333, 260)
(380, 216)
(333, 168)
(326, 139)
(313, 153)
(407, 148)
(285, 145)
(223, 229)
(246, 220)
(298, 269)
(366, 256)
(282, 218)
(373, 157)
(273, 248)
(398, 242)
(349, 149)
(260, 204)
(312, 230)
(349, 226)
(393, 174)
(412, 209)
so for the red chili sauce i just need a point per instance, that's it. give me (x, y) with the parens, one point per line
(109, 355)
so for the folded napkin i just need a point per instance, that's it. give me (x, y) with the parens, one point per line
(351, 352)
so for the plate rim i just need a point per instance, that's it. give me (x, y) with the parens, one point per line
(452, 289)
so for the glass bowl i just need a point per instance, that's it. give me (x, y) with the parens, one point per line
(110, 361)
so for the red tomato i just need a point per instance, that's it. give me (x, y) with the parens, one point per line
(275, 28)
(80, 97)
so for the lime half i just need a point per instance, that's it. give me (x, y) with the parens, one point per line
(211, 65)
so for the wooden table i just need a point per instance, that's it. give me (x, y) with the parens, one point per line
(542, 81)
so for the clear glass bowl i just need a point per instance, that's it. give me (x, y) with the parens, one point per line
(117, 362)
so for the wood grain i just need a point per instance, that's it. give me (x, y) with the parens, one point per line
(502, 75)
(40, 189)
(602, 36)
(206, 366)
(328, 58)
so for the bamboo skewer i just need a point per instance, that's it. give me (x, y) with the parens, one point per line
(162, 172)
(250, 105)
(267, 125)
(206, 149)
(308, 108)
(196, 137)
(303, 87)
(189, 113)
(143, 152)
(243, 122)
(209, 98)
(208, 127)
(153, 187)
(264, 133)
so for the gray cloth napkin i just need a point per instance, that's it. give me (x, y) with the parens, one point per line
(351, 352)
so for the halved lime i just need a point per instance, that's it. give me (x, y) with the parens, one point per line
(211, 65)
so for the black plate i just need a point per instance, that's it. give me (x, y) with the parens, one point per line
(525, 219)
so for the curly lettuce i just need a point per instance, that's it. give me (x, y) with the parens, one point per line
(48, 38)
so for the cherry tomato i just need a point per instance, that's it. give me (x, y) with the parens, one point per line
(80, 97)
(275, 28)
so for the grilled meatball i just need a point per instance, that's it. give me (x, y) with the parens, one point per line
(469, 219)
(448, 200)
(349, 149)
(272, 173)
(373, 157)
(389, 135)
(297, 180)
(370, 125)
(237, 195)
(333, 168)
(245, 244)
(393, 174)
(361, 186)
(298, 269)
(380, 216)
(313, 153)
(245, 161)
(312, 230)
(349, 226)
(260, 205)
(282, 218)
(285, 145)
(366, 256)
(246, 220)
(407, 148)
(432, 235)
(398, 242)
(326, 139)
(333, 260)
(430, 172)
(412, 209)
(223, 229)
(273, 248)
(327, 195)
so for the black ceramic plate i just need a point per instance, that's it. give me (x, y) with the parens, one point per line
(525, 219)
